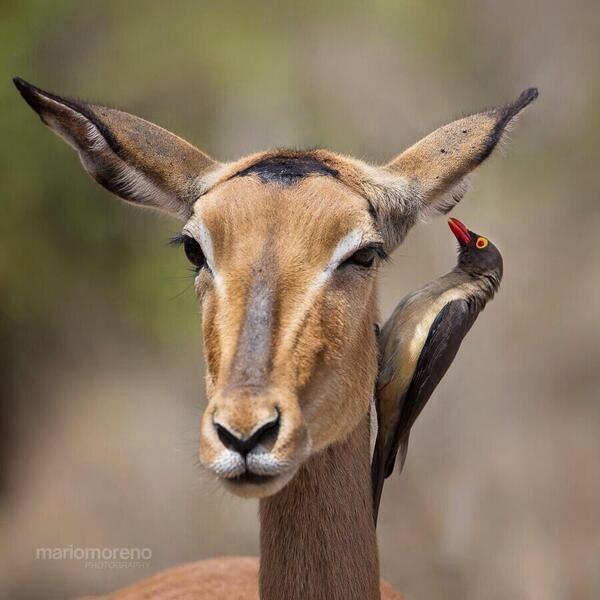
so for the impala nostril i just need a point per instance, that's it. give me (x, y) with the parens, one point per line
(266, 435)
(229, 440)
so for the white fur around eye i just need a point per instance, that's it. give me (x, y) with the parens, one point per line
(346, 246)
(198, 230)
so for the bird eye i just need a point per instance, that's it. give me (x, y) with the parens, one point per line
(481, 243)
(193, 251)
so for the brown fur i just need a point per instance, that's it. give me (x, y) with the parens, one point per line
(328, 551)
(300, 232)
(223, 578)
(288, 330)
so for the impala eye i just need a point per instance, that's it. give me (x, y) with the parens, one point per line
(365, 257)
(193, 251)
(362, 258)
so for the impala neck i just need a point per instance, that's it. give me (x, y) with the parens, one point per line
(317, 535)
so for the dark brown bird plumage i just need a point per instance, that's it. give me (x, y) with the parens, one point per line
(419, 342)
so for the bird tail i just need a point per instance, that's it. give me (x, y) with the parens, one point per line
(378, 475)
(401, 457)
(382, 467)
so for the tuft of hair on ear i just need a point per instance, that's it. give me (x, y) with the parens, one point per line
(507, 115)
(446, 202)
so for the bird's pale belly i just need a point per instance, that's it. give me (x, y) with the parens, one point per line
(415, 332)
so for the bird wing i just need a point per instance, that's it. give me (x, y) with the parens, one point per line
(443, 341)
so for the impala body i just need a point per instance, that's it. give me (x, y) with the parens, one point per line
(287, 246)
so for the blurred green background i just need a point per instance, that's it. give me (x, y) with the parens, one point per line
(101, 373)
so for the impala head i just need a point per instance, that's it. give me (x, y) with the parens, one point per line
(287, 246)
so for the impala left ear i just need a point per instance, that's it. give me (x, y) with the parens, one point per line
(131, 157)
(430, 177)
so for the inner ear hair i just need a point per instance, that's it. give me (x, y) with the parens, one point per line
(131, 157)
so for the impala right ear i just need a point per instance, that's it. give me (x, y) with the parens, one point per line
(134, 159)
(430, 177)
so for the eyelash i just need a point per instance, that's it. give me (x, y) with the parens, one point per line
(192, 248)
(176, 240)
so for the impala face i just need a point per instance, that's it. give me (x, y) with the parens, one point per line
(286, 245)
(287, 285)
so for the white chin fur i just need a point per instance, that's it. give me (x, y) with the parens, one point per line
(260, 462)
(229, 464)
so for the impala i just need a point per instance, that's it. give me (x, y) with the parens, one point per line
(286, 247)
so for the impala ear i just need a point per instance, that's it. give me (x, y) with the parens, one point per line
(430, 177)
(136, 160)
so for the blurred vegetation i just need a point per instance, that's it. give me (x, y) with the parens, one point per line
(83, 275)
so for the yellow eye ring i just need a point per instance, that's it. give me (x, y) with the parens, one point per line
(481, 243)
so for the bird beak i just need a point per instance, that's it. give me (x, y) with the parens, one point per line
(460, 231)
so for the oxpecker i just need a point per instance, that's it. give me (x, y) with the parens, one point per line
(419, 342)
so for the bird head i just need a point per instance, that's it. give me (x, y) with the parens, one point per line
(476, 253)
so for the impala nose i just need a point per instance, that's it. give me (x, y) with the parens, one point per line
(265, 434)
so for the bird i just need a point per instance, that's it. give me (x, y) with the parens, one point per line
(419, 341)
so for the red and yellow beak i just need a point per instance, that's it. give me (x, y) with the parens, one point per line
(460, 231)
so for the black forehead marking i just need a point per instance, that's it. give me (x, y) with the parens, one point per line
(288, 170)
